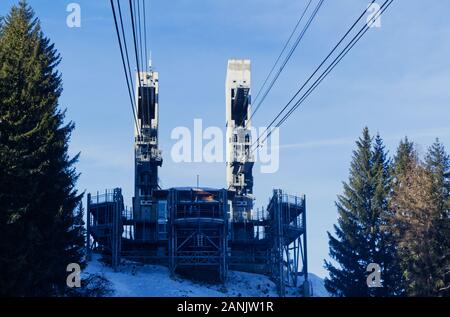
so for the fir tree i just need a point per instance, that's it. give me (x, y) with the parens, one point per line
(405, 156)
(349, 246)
(437, 163)
(383, 241)
(359, 239)
(421, 222)
(40, 232)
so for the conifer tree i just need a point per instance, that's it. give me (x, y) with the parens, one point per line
(40, 232)
(437, 163)
(359, 239)
(383, 242)
(421, 221)
(405, 156)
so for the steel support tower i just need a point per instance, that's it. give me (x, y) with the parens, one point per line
(104, 224)
(286, 232)
(198, 231)
(239, 138)
(147, 156)
(202, 231)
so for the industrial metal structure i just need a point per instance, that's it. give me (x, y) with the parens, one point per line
(104, 224)
(202, 230)
(286, 232)
(198, 229)
(239, 137)
(147, 155)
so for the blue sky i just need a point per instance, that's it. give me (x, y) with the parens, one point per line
(396, 81)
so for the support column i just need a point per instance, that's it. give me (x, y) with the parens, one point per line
(88, 228)
(280, 242)
(116, 233)
(224, 243)
(172, 234)
(306, 287)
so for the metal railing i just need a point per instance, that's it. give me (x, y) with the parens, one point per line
(291, 199)
(199, 212)
(106, 196)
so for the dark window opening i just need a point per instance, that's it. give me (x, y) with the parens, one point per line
(146, 104)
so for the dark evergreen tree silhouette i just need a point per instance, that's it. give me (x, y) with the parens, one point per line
(41, 228)
(359, 239)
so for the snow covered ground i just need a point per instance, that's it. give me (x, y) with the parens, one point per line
(138, 280)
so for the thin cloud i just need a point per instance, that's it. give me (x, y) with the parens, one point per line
(345, 141)
(104, 157)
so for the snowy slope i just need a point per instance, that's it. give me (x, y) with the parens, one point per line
(137, 280)
(318, 287)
